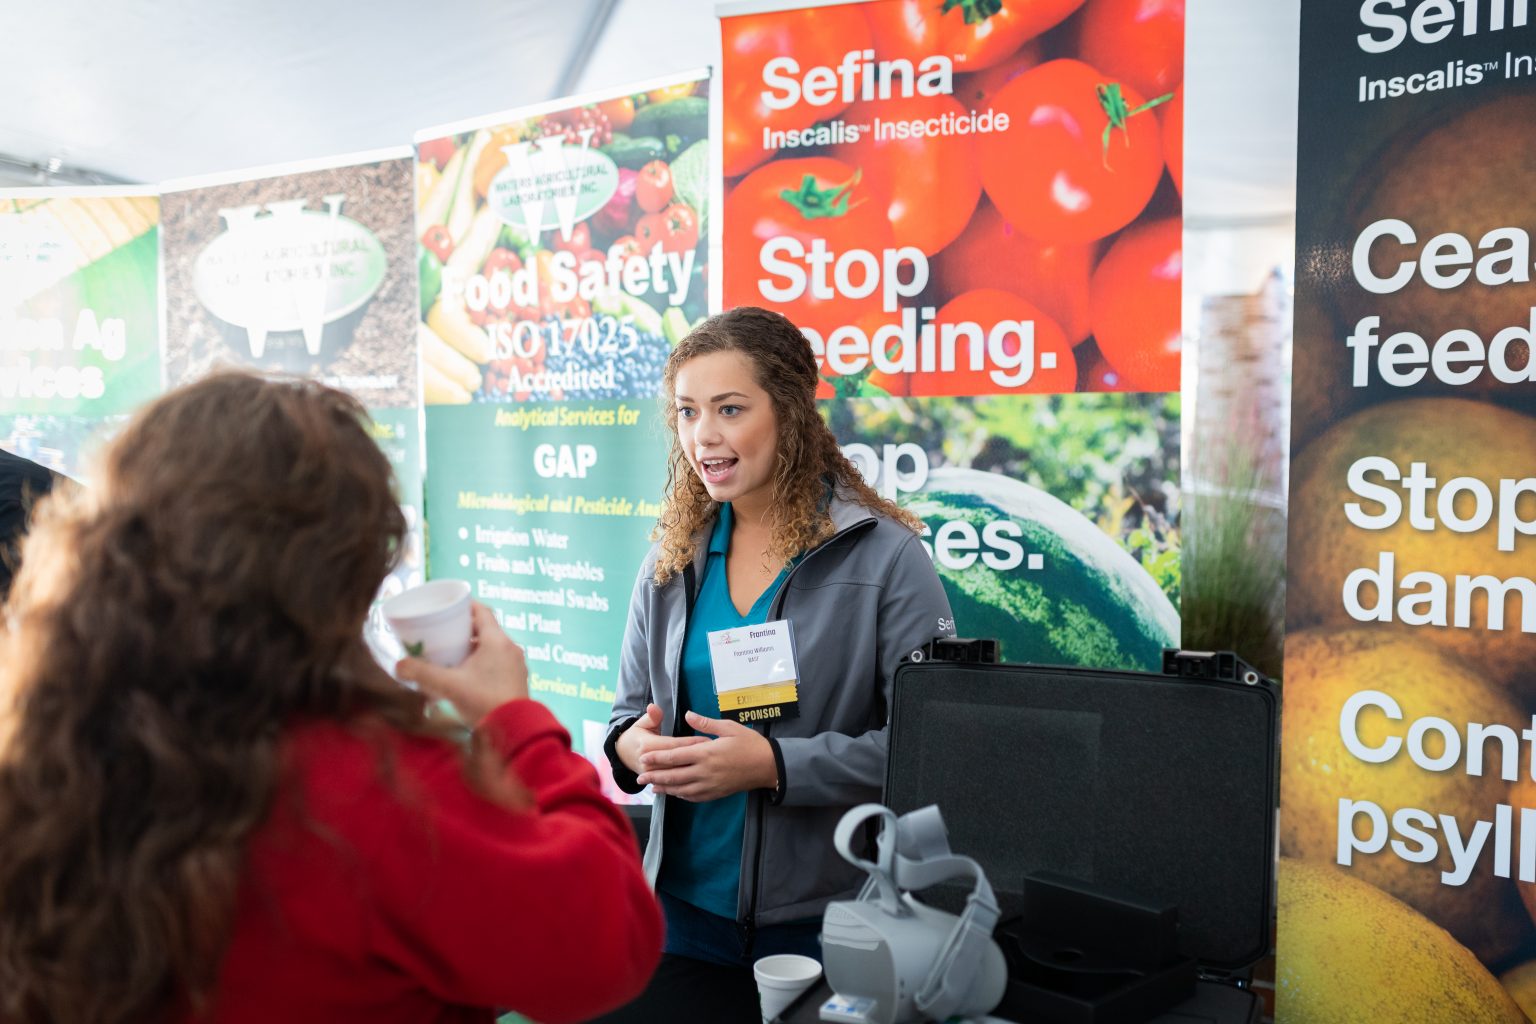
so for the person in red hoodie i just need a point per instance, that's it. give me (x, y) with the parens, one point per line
(215, 806)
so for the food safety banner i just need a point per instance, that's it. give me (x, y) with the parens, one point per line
(1408, 797)
(562, 252)
(79, 317)
(307, 269)
(973, 210)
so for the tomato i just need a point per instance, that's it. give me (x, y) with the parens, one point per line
(1138, 42)
(1173, 137)
(626, 247)
(576, 309)
(1080, 158)
(816, 37)
(1094, 374)
(501, 259)
(975, 91)
(930, 185)
(680, 228)
(585, 256)
(1137, 290)
(653, 189)
(620, 112)
(994, 254)
(649, 231)
(438, 241)
(676, 228)
(976, 34)
(987, 307)
(580, 240)
(898, 385)
(805, 199)
(874, 381)
(436, 152)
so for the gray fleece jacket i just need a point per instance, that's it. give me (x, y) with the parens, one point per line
(859, 602)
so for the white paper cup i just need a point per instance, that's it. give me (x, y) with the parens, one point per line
(432, 621)
(780, 979)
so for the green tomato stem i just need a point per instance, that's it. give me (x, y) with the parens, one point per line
(1112, 101)
(976, 11)
(860, 385)
(814, 202)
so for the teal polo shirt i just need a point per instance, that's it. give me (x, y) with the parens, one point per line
(701, 862)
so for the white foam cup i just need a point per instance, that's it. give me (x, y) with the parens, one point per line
(432, 621)
(780, 979)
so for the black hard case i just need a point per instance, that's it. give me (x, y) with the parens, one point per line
(1159, 787)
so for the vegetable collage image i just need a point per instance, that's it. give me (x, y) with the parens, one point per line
(515, 308)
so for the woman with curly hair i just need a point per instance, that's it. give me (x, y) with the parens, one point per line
(215, 806)
(764, 519)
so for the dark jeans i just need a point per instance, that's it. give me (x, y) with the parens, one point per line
(706, 972)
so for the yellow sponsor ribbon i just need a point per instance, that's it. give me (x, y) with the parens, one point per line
(758, 696)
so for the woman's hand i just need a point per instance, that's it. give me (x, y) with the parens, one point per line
(645, 736)
(736, 760)
(494, 673)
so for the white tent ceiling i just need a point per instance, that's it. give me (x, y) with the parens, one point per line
(146, 90)
(150, 91)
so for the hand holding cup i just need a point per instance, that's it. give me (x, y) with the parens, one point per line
(432, 621)
(494, 672)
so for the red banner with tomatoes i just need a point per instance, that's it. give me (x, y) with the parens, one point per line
(972, 208)
(961, 197)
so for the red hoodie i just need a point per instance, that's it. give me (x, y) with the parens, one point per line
(385, 889)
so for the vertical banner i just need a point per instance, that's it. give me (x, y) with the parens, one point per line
(306, 269)
(561, 252)
(973, 212)
(1408, 806)
(79, 317)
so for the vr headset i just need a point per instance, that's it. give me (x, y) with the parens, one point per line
(890, 958)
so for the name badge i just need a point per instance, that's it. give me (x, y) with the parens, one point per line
(756, 676)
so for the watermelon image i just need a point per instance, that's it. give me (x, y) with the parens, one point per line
(1088, 602)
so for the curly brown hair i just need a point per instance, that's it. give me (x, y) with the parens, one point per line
(166, 625)
(808, 456)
